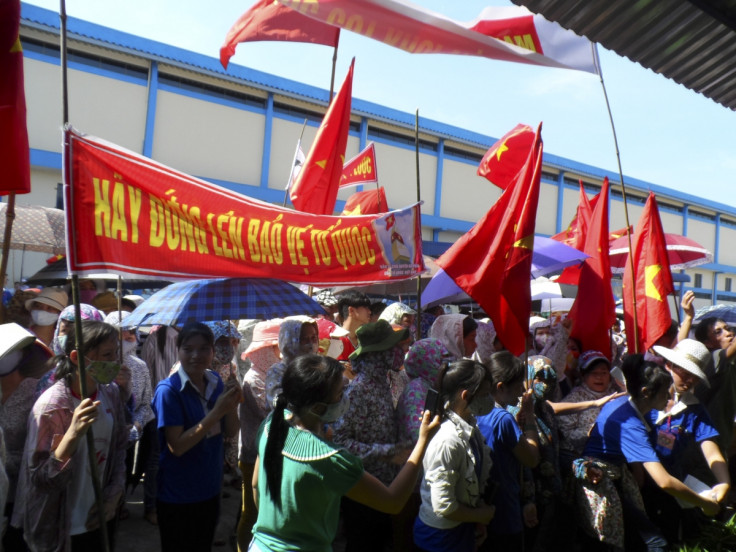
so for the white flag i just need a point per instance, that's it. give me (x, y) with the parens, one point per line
(296, 166)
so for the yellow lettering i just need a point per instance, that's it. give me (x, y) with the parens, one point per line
(336, 17)
(253, 249)
(217, 248)
(222, 220)
(134, 197)
(102, 207)
(119, 226)
(368, 238)
(158, 230)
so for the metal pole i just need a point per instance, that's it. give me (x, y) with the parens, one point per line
(9, 218)
(419, 199)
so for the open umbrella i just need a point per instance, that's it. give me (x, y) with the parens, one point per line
(727, 313)
(222, 299)
(397, 287)
(36, 228)
(683, 252)
(57, 274)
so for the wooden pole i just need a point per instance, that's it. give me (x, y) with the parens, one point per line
(9, 218)
(419, 199)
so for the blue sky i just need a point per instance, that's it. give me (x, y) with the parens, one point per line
(668, 135)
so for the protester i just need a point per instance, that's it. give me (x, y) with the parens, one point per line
(194, 411)
(511, 448)
(354, 310)
(457, 333)
(608, 494)
(55, 501)
(453, 515)
(719, 398)
(369, 428)
(300, 476)
(45, 309)
(485, 336)
(422, 364)
(399, 313)
(686, 441)
(16, 310)
(23, 359)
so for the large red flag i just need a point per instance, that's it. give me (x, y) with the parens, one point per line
(492, 262)
(270, 20)
(368, 202)
(576, 233)
(503, 161)
(650, 278)
(315, 187)
(14, 152)
(594, 310)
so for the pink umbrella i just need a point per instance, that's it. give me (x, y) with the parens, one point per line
(683, 252)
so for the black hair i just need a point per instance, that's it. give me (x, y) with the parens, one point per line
(469, 325)
(129, 303)
(644, 378)
(351, 298)
(191, 329)
(377, 308)
(94, 334)
(505, 368)
(459, 375)
(705, 326)
(308, 380)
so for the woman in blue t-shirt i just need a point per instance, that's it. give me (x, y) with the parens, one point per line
(300, 477)
(621, 435)
(514, 443)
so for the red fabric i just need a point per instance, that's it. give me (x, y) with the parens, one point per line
(14, 152)
(506, 158)
(575, 234)
(316, 185)
(650, 278)
(361, 169)
(368, 202)
(270, 20)
(492, 262)
(594, 310)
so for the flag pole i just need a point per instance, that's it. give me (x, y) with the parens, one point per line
(293, 163)
(9, 218)
(81, 371)
(623, 193)
(419, 199)
(334, 63)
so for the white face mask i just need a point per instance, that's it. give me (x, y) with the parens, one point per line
(129, 347)
(44, 318)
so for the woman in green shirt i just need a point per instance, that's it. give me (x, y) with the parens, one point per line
(302, 477)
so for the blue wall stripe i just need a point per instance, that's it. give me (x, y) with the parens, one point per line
(151, 110)
(45, 159)
(267, 133)
(560, 198)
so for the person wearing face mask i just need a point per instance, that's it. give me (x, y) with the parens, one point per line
(369, 429)
(514, 443)
(457, 333)
(55, 501)
(300, 476)
(45, 309)
(23, 359)
(453, 515)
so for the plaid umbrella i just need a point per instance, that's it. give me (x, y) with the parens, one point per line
(727, 313)
(222, 299)
(36, 228)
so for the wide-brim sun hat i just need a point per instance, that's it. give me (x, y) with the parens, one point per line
(53, 297)
(378, 336)
(14, 337)
(688, 354)
(265, 334)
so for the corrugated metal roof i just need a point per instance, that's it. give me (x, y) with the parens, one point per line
(691, 42)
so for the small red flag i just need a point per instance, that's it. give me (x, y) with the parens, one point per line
(506, 158)
(650, 278)
(361, 169)
(368, 202)
(315, 188)
(271, 20)
(594, 310)
(14, 153)
(492, 262)
(575, 234)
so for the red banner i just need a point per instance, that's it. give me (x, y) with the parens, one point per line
(131, 215)
(361, 169)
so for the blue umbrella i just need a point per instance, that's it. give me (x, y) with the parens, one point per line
(727, 313)
(222, 299)
(548, 256)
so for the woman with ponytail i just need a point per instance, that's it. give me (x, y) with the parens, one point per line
(453, 514)
(300, 477)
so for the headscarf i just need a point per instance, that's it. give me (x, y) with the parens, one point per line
(290, 347)
(393, 313)
(424, 360)
(88, 312)
(485, 335)
(540, 367)
(223, 328)
(448, 328)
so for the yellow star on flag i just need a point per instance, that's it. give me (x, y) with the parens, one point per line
(650, 290)
(503, 148)
(526, 243)
(354, 213)
(321, 164)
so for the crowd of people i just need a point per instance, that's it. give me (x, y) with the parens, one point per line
(393, 430)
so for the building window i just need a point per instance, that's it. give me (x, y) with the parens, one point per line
(698, 280)
(728, 284)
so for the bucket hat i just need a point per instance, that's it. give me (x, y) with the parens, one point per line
(378, 336)
(688, 354)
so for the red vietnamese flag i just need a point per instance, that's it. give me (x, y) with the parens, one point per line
(650, 278)
(14, 152)
(315, 187)
(270, 20)
(361, 169)
(594, 310)
(492, 261)
(503, 161)
(368, 202)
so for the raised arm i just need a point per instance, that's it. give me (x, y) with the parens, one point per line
(688, 310)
